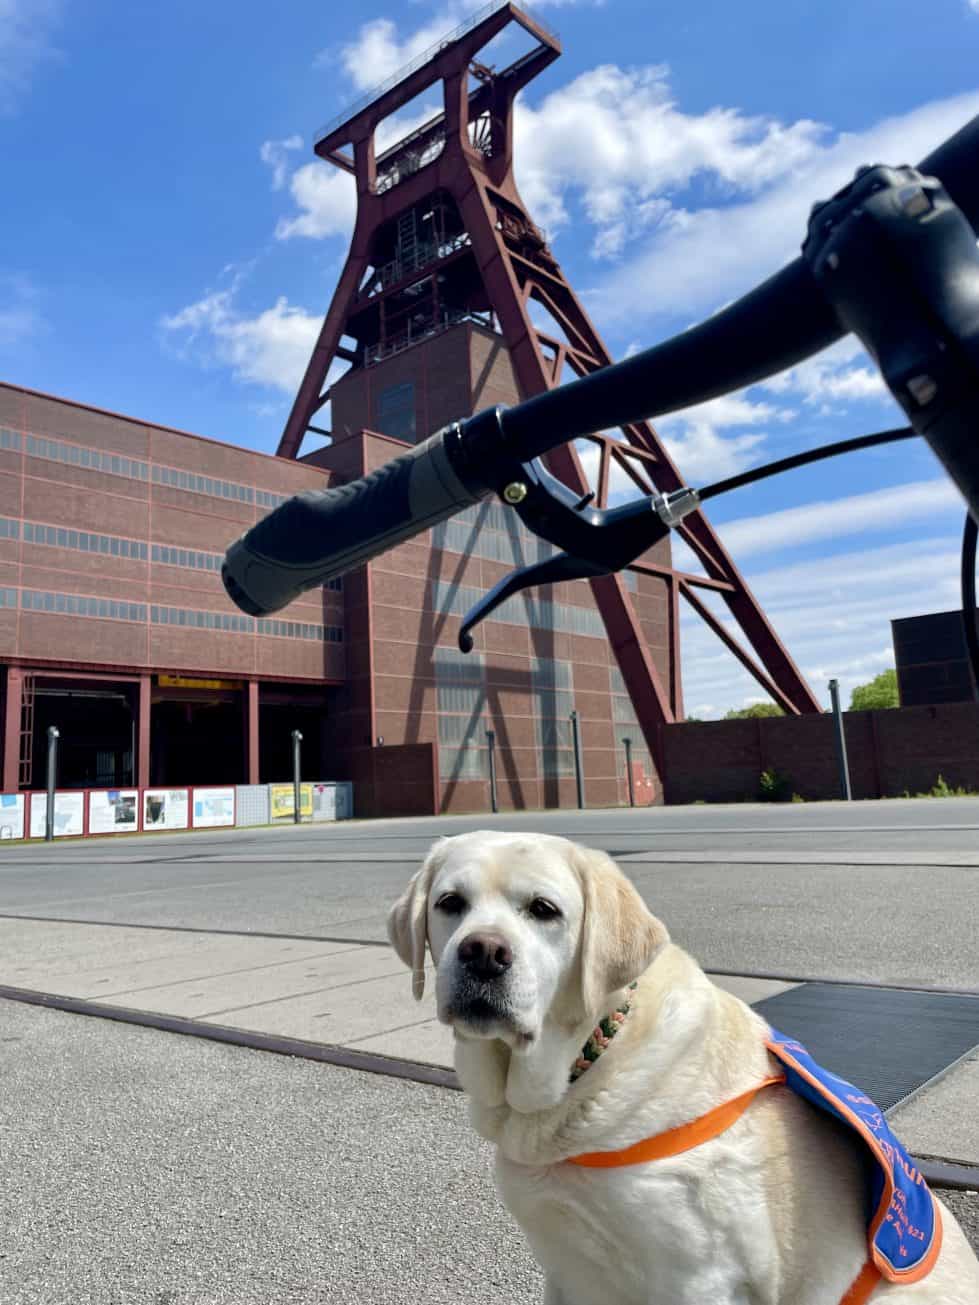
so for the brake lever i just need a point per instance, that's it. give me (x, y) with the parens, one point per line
(562, 567)
(596, 541)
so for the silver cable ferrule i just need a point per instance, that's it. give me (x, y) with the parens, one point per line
(673, 507)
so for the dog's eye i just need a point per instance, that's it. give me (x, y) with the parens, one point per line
(451, 904)
(541, 909)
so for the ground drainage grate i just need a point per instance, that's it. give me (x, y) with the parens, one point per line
(890, 1042)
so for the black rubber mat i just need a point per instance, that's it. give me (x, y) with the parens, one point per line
(885, 1040)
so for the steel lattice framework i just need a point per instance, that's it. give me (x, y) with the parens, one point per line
(481, 256)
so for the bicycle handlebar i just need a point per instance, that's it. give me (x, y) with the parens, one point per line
(320, 534)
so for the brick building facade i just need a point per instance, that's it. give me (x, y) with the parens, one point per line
(114, 624)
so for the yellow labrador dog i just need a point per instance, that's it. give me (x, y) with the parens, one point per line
(535, 941)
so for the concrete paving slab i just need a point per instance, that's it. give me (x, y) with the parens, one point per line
(43, 947)
(258, 984)
(428, 1042)
(750, 989)
(355, 1010)
(37, 952)
(942, 1120)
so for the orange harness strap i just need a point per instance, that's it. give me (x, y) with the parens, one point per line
(685, 1137)
(863, 1285)
(682, 1138)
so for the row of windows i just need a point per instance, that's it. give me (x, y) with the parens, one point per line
(112, 609)
(35, 600)
(523, 609)
(301, 630)
(202, 620)
(111, 545)
(195, 483)
(115, 464)
(116, 546)
(239, 624)
(186, 557)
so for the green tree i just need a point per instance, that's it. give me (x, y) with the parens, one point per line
(880, 692)
(753, 712)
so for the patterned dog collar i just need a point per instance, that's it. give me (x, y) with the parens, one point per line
(602, 1036)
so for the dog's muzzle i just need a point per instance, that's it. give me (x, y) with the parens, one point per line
(479, 997)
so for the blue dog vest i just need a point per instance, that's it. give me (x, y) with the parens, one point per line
(905, 1230)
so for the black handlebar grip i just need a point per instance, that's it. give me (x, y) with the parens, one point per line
(322, 533)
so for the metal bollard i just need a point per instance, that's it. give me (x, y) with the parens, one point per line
(491, 748)
(297, 739)
(578, 772)
(628, 770)
(834, 693)
(53, 735)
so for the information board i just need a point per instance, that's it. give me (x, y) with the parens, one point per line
(115, 811)
(166, 808)
(213, 807)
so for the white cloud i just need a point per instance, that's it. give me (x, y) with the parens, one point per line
(275, 154)
(900, 506)
(974, 6)
(25, 30)
(615, 138)
(699, 259)
(702, 454)
(841, 373)
(328, 203)
(376, 53)
(272, 348)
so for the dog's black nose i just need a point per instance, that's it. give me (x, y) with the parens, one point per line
(486, 955)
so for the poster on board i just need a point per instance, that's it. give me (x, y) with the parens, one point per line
(11, 815)
(213, 807)
(282, 803)
(115, 811)
(69, 814)
(166, 808)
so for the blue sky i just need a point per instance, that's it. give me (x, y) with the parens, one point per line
(169, 243)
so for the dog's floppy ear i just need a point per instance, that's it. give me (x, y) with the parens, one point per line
(408, 918)
(619, 935)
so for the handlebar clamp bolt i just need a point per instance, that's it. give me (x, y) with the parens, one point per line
(515, 492)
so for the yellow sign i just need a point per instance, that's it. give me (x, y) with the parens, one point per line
(187, 682)
(282, 800)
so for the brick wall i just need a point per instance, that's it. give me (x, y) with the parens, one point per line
(889, 752)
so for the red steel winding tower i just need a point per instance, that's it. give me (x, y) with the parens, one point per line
(438, 312)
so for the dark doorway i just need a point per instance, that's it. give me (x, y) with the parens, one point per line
(276, 723)
(197, 742)
(96, 724)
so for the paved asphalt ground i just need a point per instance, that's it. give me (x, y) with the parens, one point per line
(885, 891)
(141, 1166)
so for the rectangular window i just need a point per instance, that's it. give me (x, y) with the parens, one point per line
(395, 413)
